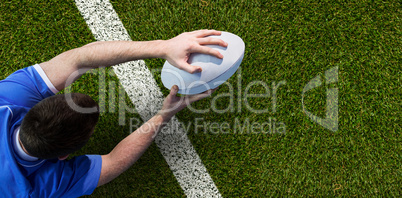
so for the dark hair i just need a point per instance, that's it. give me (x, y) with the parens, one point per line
(53, 129)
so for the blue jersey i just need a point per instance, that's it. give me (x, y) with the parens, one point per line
(37, 178)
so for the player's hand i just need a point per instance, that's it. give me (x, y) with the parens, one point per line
(173, 103)
(179, 48)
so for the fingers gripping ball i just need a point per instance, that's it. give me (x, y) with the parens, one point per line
(215, 71)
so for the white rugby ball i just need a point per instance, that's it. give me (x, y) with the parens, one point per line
(215, 71)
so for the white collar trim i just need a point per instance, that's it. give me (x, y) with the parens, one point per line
(18, 149)
(44, 77)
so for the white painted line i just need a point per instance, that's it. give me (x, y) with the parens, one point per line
(145, 94)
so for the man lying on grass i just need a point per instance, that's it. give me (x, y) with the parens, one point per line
(40, 129)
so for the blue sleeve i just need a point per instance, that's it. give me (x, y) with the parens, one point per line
(73, 178)
(25, 87)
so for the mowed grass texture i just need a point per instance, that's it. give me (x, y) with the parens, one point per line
(293, 41)
(288, 42)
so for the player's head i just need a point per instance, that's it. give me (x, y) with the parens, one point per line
(52, 128)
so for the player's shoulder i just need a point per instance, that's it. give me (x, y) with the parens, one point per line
(5, 109)
(7, 114)
(33, 74)
(12, 112)
(75, 177)
(20, 77)
(26, 87)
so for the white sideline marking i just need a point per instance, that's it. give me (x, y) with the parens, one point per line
(145, 94)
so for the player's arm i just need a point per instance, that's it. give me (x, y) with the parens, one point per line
(65, 68)
(130, 149)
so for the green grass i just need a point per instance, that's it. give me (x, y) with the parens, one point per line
(289, 40)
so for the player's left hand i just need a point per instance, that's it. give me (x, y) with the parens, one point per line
(173, 103)
(179, 48)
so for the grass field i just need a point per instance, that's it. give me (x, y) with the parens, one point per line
(289, 41)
